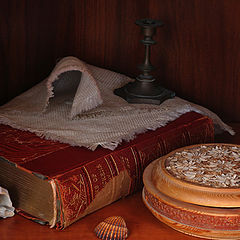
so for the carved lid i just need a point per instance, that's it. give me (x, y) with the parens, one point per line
(205, 174)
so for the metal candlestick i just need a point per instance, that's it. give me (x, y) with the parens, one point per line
(145, 89)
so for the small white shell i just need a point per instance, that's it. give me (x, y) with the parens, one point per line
(6, 208)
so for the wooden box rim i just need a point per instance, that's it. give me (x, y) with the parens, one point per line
(191, 192)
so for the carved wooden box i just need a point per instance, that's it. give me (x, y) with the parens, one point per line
(196, 190)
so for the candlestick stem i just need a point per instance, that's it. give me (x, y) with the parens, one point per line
(145, 89)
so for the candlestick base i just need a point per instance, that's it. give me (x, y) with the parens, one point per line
(144, 93)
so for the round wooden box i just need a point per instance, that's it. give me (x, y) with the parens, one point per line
(196, 190)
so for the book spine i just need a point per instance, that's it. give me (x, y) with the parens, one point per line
(118, 174)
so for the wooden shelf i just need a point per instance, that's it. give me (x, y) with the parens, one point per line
(141, 223)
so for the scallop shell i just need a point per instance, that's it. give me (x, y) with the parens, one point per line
(112, 228)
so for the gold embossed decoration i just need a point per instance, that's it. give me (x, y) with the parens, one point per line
(112, 228)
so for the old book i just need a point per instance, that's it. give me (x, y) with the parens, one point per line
(57, 184)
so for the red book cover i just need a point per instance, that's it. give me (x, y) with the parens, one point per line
(82, 180)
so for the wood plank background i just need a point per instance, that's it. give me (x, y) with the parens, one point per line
(197, 54)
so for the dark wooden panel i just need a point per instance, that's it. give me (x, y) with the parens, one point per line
(12, 47)
(196, 54)
(199, 52)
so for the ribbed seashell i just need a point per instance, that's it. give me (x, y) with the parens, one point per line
(112, 228)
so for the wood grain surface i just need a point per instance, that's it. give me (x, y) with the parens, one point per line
(140, 222)
(196, 53)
